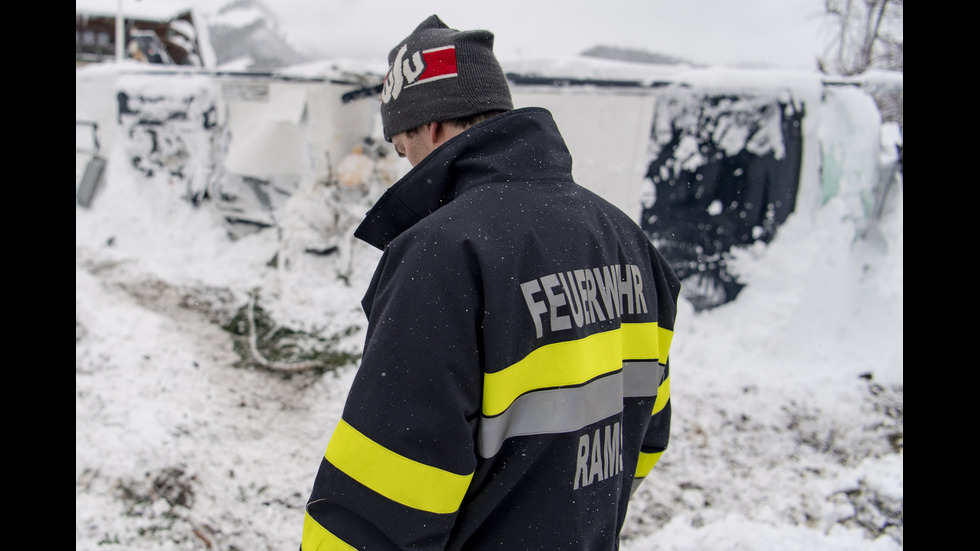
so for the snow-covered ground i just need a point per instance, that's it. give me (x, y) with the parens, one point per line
(788, 402)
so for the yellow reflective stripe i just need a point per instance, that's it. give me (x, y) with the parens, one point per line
(394, 476)
(318, 538)
(560, 364)
(646, 341)
(645, 463)
(663, 394)
(573, 363)
(665, 336)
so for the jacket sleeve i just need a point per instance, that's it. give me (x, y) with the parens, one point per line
(400, 461)
(658, 432)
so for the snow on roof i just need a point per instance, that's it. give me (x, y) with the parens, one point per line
(645, 74)
(155, 10)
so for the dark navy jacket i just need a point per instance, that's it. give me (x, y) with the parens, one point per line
(514, 383)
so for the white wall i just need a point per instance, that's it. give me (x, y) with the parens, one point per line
(606, 131)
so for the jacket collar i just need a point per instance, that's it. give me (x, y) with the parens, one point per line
(523, 145)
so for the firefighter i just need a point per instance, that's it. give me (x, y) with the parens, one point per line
(514, 383)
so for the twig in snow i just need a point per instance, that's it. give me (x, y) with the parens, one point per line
(276, 366)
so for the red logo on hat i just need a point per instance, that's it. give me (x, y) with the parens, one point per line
(439, 63)
(419, 68)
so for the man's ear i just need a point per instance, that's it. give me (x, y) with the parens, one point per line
(436, 132)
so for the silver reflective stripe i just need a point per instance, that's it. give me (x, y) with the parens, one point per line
(636, 484)
(553, 411)
(560, 410)
(641, 378)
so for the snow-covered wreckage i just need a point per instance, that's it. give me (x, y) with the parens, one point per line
(706, 160)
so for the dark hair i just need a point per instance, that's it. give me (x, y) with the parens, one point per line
(462, 123)
(466, 122)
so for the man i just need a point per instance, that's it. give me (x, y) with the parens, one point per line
(513, 387)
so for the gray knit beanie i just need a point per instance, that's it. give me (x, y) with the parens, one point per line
(438, 74)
